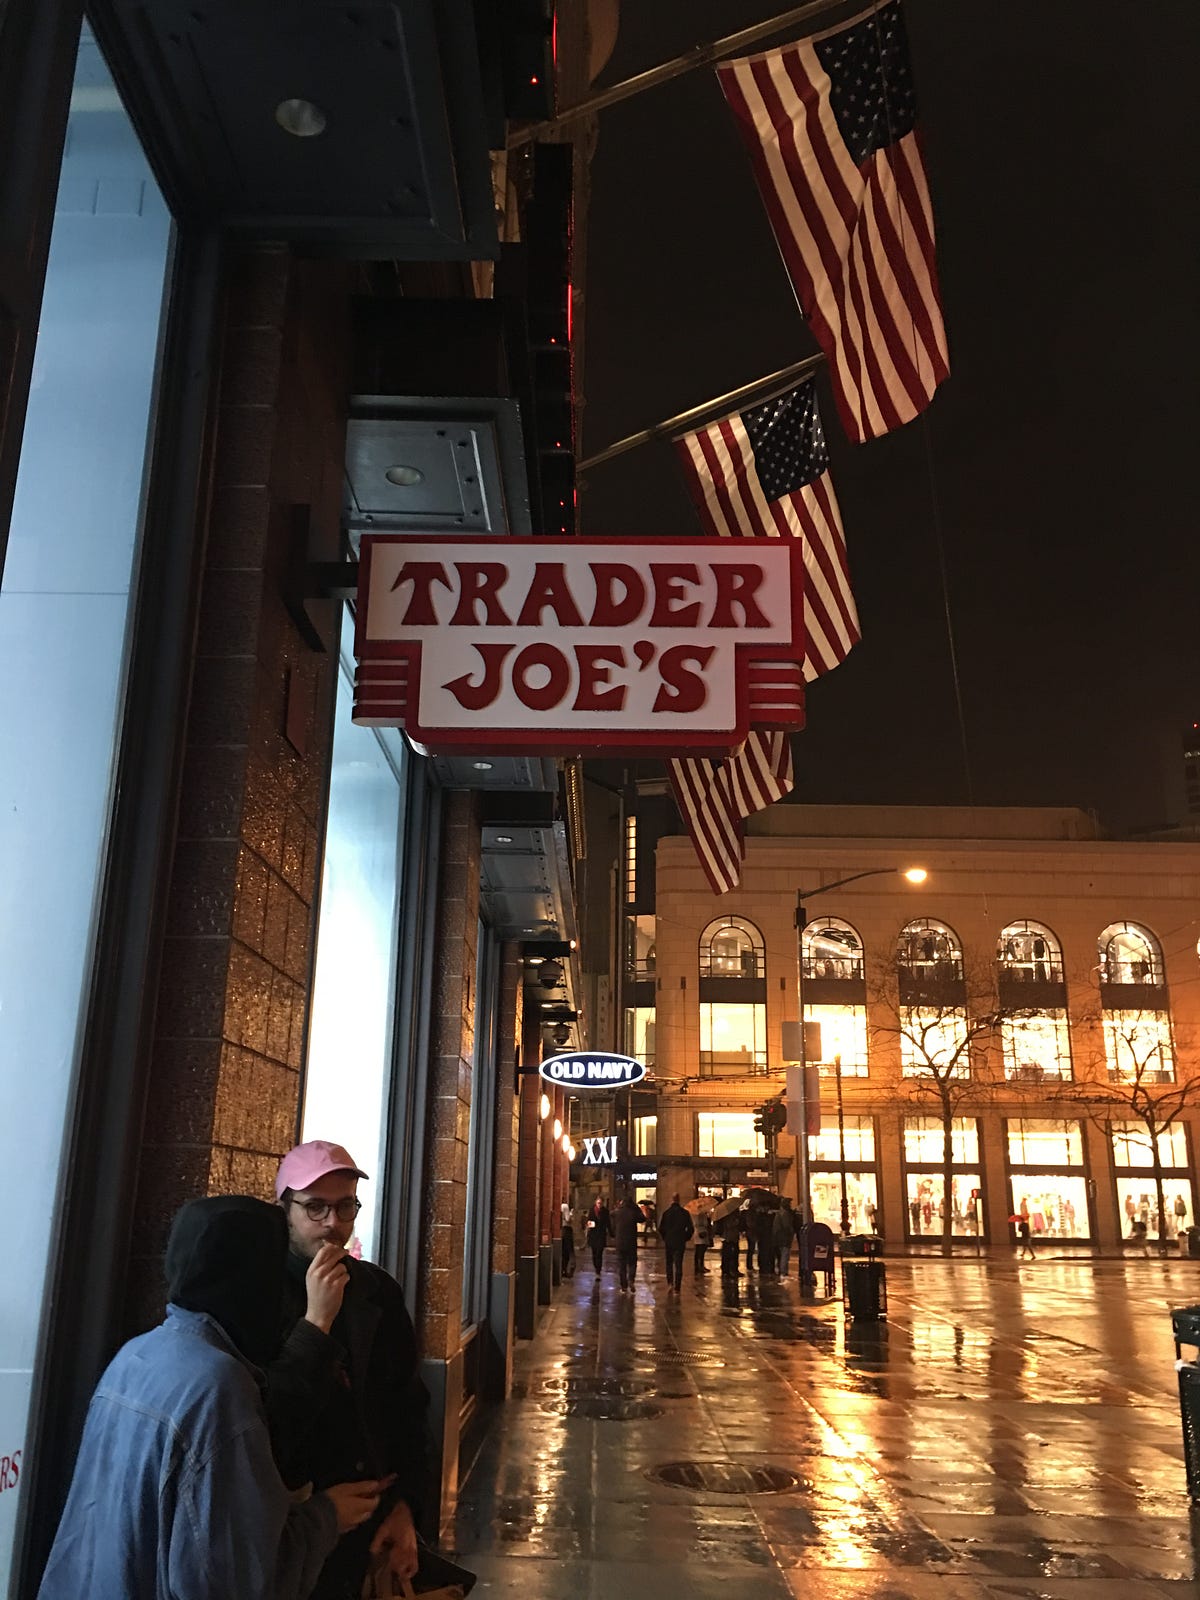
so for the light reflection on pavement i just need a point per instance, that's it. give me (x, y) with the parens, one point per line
(1009, 1431)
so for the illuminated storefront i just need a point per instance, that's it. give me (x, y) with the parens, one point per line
(1137, 1190)
(854, 1149)
(924, 1177)
(1047, 1182)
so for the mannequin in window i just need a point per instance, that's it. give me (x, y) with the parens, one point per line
(1039, 958)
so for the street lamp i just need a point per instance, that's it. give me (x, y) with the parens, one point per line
(912, 875)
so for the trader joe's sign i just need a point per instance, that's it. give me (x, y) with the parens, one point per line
(676, 646)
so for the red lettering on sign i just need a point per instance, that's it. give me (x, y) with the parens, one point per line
(548, 587)
(479, 580)
(609, 612)
(551, 692)
(594, 661)
(737, 586)
(474, 696)
(682, 690)
(670, 609)
(10, 1471)
(422, 575)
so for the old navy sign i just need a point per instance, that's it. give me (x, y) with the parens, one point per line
(587, 1069)
(677, 646)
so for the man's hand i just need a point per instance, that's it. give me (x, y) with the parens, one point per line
(325, 1282)
(353, 1503)
(398, 1538)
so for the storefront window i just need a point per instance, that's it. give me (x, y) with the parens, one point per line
(1029, 953)
(857, 1139)
(645, 1136)
(932, 1040)
(728, 1133)
(348, 1071)
(832, 950)
(733, 1039)
(843, 1037)
(639, 1034)
(641, 957)
(1137, 1046)
(1132, 1147)
(925, 1177)
(731, 948)
(65, 607)
(1036, 1047)
(1129, 954)
(825, 1154)
(1047, 1183)
(923, 1140)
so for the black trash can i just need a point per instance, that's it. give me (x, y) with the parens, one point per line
(1185, 1324)
(864, 1280)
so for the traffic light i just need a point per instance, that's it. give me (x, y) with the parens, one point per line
(760, 1126)
(775, 1117)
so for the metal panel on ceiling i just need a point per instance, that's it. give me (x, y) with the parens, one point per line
(391, 155)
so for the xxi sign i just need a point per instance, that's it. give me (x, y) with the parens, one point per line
(514, 645)
(601, 1152)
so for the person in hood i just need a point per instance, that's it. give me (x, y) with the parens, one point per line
(344, 1395)
(676, 1228)
(176, 1493)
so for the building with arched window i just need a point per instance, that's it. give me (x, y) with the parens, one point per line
(1017, 1035)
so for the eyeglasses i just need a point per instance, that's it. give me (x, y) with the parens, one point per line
(345, 1209)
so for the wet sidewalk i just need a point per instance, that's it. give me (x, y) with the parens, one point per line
(1009, 1431)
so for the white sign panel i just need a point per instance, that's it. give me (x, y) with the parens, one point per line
(591, 1069)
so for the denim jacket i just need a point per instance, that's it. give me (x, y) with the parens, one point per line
(176, 1495)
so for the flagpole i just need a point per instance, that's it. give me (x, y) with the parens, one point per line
(761, 390)
(701, 55)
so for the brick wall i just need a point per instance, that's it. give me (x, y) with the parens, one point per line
(233, 992)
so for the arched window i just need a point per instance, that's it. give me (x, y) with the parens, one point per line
(1028, 952)
(832, 949)
(929, 951)
(731, 947)
(1130, 953)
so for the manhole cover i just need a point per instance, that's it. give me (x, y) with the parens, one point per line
(623, 1388)
(603, 1408)
(681, 1358)
(724, 1477)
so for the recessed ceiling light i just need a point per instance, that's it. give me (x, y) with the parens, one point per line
(301, 118)
(404, 477)
(482, 766)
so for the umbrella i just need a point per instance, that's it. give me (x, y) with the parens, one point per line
(726, 1208)
(699, 1203)
(765, 1199)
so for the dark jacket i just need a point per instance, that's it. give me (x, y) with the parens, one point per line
(676, 1226)
(175, 1489)
(628, 1220)
(350, 1404)
(597, 1227)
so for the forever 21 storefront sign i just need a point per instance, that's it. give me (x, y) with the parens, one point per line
(590, 1069)
(508, 646)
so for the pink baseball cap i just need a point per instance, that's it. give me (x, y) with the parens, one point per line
(313, 1160)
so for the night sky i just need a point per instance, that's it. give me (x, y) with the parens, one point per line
(1061, 142)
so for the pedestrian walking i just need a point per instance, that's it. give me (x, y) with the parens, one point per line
(1025, 1235)
(729, 1247)
(345, 1393)
(626, 1223)
(599, 1227)
(764, 1236)
(784, 1230)
(175, 1487)
(568, 1240)
(676, 1228)
(704, 1239)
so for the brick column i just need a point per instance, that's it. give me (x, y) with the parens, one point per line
(444, 1202)
(233, 992)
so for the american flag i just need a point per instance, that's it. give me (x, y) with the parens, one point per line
(830, 127)
(765, 473)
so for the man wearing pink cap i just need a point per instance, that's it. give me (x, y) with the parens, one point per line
(345, 1388)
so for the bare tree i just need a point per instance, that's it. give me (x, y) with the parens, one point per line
(1140, 1085)
(948, 1025)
